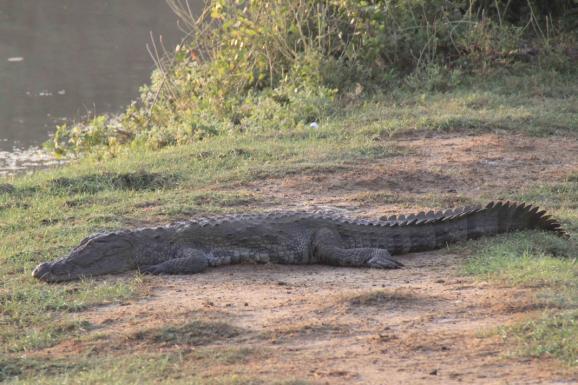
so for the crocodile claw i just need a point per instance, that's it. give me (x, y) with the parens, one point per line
(153, 269)
(384, 263)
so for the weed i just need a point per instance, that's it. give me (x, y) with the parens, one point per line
(224, 200)
(20, 367)
(551, 335)
(544, 262)
(227, 355)
(151, 368)
(193, 333)
(533, 259)
(93, 183)
(382, 297)
(309, 329)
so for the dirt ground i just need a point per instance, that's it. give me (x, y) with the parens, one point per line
(423, 324)
(451, 168)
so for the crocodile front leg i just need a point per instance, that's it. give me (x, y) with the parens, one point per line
(187, 261)
(328, 249)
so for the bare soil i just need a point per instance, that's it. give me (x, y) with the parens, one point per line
(423, 324)
(449, 169)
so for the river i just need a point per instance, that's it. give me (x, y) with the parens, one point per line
(61, 59)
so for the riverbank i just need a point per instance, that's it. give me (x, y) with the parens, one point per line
(20, 161)
(497, 310)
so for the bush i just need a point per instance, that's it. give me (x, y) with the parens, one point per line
(278, 64)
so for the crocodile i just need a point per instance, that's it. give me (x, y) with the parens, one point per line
(288, 238)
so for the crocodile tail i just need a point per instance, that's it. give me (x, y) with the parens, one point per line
(434, 230)
(497, 218)
(513, 216)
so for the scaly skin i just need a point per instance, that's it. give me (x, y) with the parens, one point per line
(286, 238)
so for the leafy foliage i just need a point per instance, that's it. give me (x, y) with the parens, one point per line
(282, 64)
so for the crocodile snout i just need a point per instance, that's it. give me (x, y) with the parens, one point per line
(42, 271)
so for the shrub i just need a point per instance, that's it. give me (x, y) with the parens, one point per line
(278, 64)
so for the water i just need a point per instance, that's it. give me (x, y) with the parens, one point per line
(60, 59)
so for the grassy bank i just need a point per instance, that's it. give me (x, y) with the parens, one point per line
(44, 214)
(544, 264)
(548, 267)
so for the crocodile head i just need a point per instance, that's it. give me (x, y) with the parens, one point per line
(96, 255)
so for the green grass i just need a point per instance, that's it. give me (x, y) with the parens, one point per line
(32, 314)
(527, 259)
(144, 368)
(49, 212)
(552, 335)
(545, 263)
(540, 104)
(555, 332)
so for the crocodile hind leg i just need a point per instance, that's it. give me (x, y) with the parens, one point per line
(328, 249)
(187, 261)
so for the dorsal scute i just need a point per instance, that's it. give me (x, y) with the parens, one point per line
(520, 211)
(411, 221)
